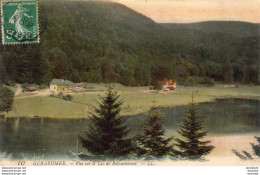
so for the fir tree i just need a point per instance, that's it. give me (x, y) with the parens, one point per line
(152, 144)
(247, 156)
(191, 147)
(105, 138)
(256, 148)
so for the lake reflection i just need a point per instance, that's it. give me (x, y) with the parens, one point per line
(57, 137)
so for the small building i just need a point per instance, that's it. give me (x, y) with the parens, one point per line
(168, 85)
(30, 89)
(60, 85)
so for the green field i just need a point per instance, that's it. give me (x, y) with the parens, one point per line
(136, 100)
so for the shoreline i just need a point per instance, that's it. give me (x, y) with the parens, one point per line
(135, 103)
(131, 115)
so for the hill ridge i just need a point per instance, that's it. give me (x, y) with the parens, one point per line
(236, 28)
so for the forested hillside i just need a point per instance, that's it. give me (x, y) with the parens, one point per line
(102, 41)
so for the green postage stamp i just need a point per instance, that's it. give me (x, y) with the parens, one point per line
(19, 22)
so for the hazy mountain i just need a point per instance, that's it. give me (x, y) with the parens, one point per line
(235, 28)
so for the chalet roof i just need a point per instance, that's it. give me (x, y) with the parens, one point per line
(168, 82)
(30, 88)
(62, 82)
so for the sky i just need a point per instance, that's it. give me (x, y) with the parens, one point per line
(187, 11)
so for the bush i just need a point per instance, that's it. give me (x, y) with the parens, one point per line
(6, 99)
(10, 83)
(43, 86)
(186, 81)
(60, 95)
(157, 85)
(209, 81)
(25, 85)
(67, 97)
(194, 80)
(191, 81)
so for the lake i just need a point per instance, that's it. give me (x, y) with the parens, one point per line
(55, 138)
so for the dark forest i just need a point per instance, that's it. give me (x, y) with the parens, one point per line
(108, 42)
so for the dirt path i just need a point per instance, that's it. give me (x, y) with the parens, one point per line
(48, 92)
(19, 91)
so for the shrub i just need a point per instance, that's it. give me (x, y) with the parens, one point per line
(209, 81)
(25, 85)
(157, 85)
(60, 95)
(190, 81)
(43, 86)
(6, 99)
(67, 97)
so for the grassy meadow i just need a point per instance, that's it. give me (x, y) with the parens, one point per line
(136, 100)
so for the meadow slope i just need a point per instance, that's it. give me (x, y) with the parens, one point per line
(136, 101)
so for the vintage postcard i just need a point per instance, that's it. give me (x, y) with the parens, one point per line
(130, 83)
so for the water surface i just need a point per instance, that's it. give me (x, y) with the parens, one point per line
(27, 137)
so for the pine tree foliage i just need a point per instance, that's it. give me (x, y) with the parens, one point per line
(247, 156)
(152, 144)
(256, 148)
(106, 137)
(242, 157)
(6, 99)
(190, 146)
